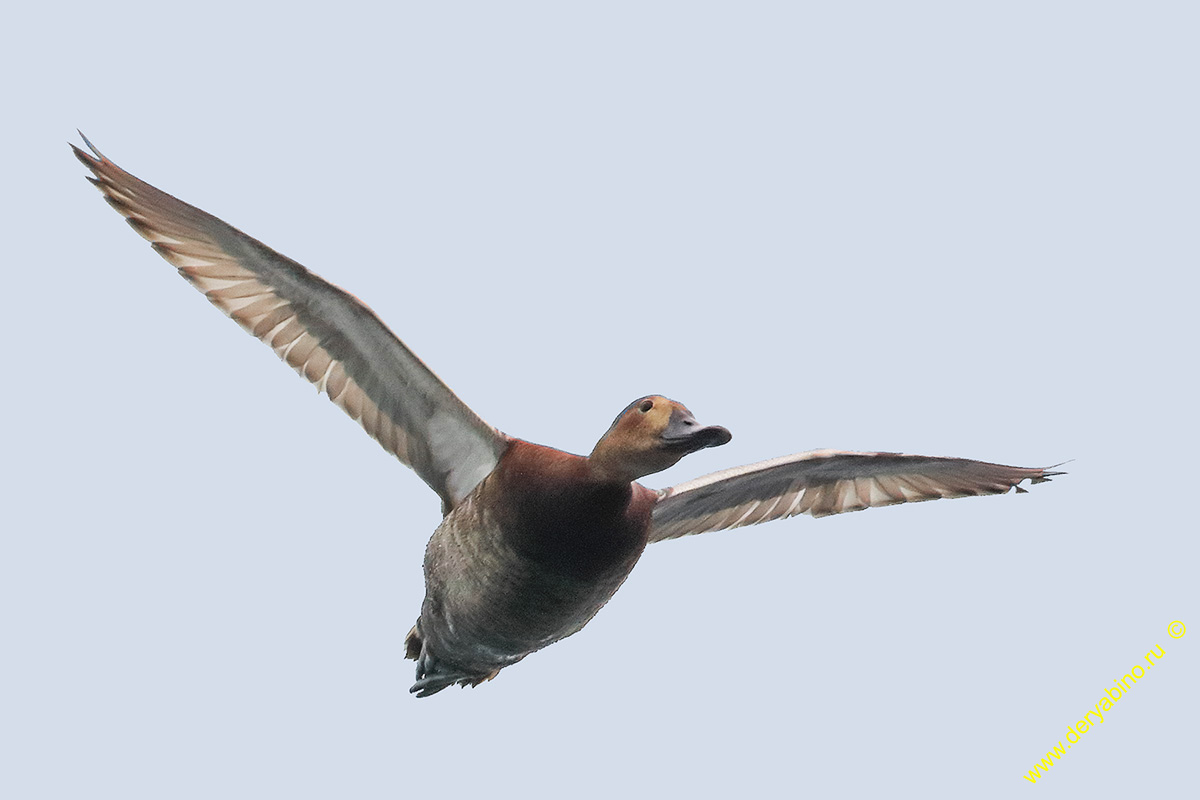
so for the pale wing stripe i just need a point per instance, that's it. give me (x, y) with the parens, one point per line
(325, 334)
(238, 293)
(824, 482)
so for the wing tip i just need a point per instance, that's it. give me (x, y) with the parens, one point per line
(84, 158)
(99, 156)
(1049, 472)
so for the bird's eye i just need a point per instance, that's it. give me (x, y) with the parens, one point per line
(646, 406)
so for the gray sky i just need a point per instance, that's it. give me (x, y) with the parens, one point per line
(915, 227)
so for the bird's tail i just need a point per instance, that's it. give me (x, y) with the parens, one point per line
(433, 675)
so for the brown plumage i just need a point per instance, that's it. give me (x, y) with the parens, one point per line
(534, 541)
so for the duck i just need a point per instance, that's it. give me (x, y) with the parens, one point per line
(533, 540)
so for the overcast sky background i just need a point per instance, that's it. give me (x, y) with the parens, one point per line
(922, 227)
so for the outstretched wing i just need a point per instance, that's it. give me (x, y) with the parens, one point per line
(823, 482)
(329, 336)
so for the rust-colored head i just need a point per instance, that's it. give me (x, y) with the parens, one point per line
(651, 434)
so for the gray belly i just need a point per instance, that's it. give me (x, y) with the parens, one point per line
(487, 606)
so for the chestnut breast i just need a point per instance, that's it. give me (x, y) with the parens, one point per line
(553, 510)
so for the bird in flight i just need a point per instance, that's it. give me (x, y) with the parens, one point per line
(533, 540)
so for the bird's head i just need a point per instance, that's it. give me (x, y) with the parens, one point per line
(651, 434)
